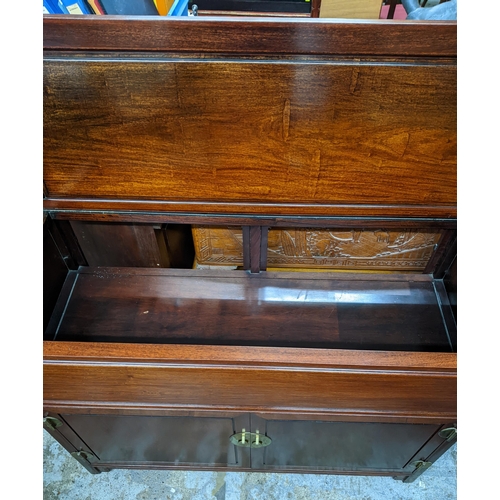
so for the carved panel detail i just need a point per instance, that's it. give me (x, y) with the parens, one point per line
(403, 250)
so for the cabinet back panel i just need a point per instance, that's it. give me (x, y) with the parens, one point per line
(338, 132)
(380, 249)
(130, 245)
(118, 305)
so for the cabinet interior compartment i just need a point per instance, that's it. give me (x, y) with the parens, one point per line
(167, 305)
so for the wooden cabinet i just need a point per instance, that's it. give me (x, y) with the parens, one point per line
(154, 127)
(247, 442)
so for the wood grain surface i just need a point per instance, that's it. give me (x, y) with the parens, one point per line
(252, 122)
(118, 305)
(245, 36)
(192, 355)
(251, 132)
(82, 377)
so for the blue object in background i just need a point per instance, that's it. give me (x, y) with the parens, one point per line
(129, 7)
(73, 7)
(179, 8)
(51, 7)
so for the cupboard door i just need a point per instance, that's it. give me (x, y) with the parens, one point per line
(387, 448)
(159, 441)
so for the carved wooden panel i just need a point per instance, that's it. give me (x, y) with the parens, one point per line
(403, 250)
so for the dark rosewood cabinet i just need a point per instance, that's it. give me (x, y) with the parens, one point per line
(209, 442)
(328, 146)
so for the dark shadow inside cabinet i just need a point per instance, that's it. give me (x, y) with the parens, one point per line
(134, 245)
(143, 283)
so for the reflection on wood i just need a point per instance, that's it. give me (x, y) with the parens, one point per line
(237, 308)
(405, 250)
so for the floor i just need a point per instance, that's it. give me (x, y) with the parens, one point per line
(65, 479)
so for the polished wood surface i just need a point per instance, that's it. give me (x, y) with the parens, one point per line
(183, 441)
(189, 441)
(276, 37)
(366, 448)
(119, 305)
(367, 124)
(200, 440)
(92, 377)
(303, 445)
(303, 128)
(257, 356)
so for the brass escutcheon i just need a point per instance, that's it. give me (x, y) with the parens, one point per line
(246, 439)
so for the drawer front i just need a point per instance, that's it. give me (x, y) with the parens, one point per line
(400, 386)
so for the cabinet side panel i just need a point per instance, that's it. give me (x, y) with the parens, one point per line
(450, 282)
(54, 275)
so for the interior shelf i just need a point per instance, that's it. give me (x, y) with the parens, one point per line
(321, 310)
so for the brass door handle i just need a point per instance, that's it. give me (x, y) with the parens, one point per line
(246, 439)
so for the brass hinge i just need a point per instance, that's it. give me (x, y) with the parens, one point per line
(250, 439)
(449, 433)
(51, 423)
(84, 455)
(420, 467)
